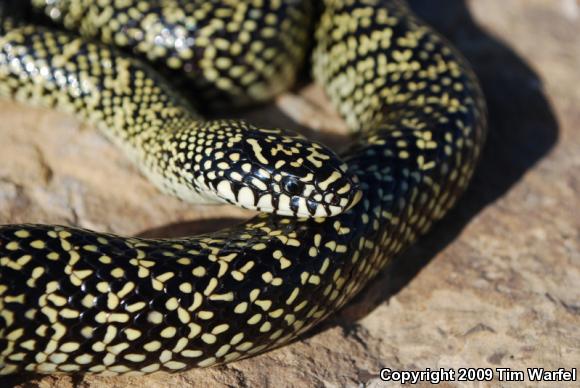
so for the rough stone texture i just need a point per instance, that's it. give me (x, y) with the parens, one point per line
(494, 285)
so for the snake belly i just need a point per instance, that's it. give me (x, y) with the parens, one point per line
(74, 300)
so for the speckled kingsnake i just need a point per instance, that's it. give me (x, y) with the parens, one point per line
(75, 300)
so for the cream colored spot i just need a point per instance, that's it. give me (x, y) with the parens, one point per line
(150, 368)
(168, 332)
(135, 307)
(84, 359)
(207, 362)
(132, 334)
(205, 315)
(69, 347)
(37, 244)
(198, 271)
(155, 317)
(241, 308)
(255, 319)
(191, 353)
(224, 297)
(116, 349)
(117, 273)
(165, 356)
(175, 365)
(208, 338)
(185, 288)
(22, 234)
(220, 328)
(245, 346)
(87, 331)
(152, 346)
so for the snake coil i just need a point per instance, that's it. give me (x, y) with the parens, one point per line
(73, 300)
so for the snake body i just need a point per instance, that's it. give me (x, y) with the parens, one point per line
(73, 300)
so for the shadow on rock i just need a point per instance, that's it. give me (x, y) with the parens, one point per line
(191, 228)
(522, 129)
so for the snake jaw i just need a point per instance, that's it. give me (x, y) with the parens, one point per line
(275, 194)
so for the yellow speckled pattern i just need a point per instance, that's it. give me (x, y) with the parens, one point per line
(238, 51)
(183, 154)
(73, 300)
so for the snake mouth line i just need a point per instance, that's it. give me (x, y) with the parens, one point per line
(319, 210)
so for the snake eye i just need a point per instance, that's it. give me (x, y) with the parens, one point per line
(293, 186)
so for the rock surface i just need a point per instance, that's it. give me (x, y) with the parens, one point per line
(493, 285)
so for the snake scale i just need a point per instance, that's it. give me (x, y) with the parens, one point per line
(73, 300)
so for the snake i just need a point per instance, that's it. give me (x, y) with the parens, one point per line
(144, 72)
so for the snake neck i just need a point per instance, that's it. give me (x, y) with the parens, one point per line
(132, 106)
(194, 159)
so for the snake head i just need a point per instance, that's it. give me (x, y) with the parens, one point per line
(276, 172)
